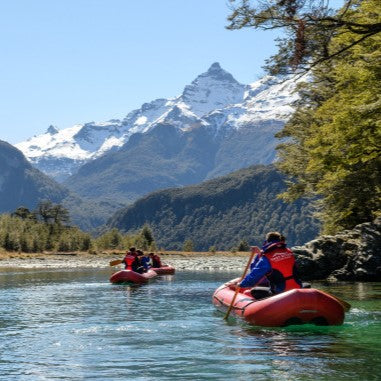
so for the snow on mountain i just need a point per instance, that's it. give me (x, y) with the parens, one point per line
(214, 99)
(212, 90)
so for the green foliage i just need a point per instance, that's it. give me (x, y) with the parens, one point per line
(334, 151)
(243, 246)
(30, 236)
(147, 240)
(309, 28)
(212, 249)
(114, 239)
(24, 213)
(188, 245)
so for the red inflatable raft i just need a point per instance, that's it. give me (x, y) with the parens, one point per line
(164, 270)
(129, 276)
(299, 306)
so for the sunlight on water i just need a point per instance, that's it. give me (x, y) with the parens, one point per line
(74, 325)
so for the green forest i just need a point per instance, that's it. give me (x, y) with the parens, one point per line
(221, 213)
(47, 229)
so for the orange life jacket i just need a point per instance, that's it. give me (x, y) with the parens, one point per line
(282, 263)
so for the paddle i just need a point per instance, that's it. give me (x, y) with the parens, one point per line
(254, 251)
(116, 262)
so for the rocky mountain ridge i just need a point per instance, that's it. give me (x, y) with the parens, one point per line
(214, 101)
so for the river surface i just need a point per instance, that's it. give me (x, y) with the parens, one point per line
(74, 325)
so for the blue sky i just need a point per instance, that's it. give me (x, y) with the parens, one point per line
(76, 61)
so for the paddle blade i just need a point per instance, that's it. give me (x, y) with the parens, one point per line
(116, 262)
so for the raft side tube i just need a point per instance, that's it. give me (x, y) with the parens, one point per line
(298, 306)
(125, 276)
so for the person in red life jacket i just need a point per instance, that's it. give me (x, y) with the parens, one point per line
(156, 261)
(276, 262)
(131, 260)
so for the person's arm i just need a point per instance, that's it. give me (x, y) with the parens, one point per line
(261, 268)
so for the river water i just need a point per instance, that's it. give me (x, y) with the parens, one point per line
(74, 325)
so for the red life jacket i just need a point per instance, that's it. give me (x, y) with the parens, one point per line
(156, 261)
(128, 260)
(282, 263)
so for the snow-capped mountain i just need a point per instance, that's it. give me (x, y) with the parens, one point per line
(214, 100)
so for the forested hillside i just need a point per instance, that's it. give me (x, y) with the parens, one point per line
(23, 185)
(222, 212)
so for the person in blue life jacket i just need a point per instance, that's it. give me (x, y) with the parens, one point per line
(145, 261)
(275, 263)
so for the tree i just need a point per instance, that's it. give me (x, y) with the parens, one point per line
(310, 26)
(243, 246)
(115, 238)
(24, 213)
(147, 237)
(331, 146)
(333, 149)
(212, 249)
(44, 210)
(8, 244)
(59, 214)
(188, 246)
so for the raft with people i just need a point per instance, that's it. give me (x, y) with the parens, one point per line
(296, 306)
(273, 295)
(138, 267)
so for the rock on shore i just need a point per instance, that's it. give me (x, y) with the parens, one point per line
(351, 255)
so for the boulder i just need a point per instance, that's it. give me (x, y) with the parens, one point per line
(351, 255)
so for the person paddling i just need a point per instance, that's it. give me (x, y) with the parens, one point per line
(276, 262)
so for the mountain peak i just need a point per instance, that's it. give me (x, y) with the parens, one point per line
(52, 130)
(213, 89)
(214, 67)
(216, 72)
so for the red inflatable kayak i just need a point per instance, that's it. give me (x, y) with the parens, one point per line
(164, 270)
(298, 306)
(130, 276)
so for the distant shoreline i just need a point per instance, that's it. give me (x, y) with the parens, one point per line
(200, 261)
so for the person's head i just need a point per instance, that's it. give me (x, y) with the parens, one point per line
(132, 250)
(151, 254)
(273, 237)
(139, 252)
(282, 238)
